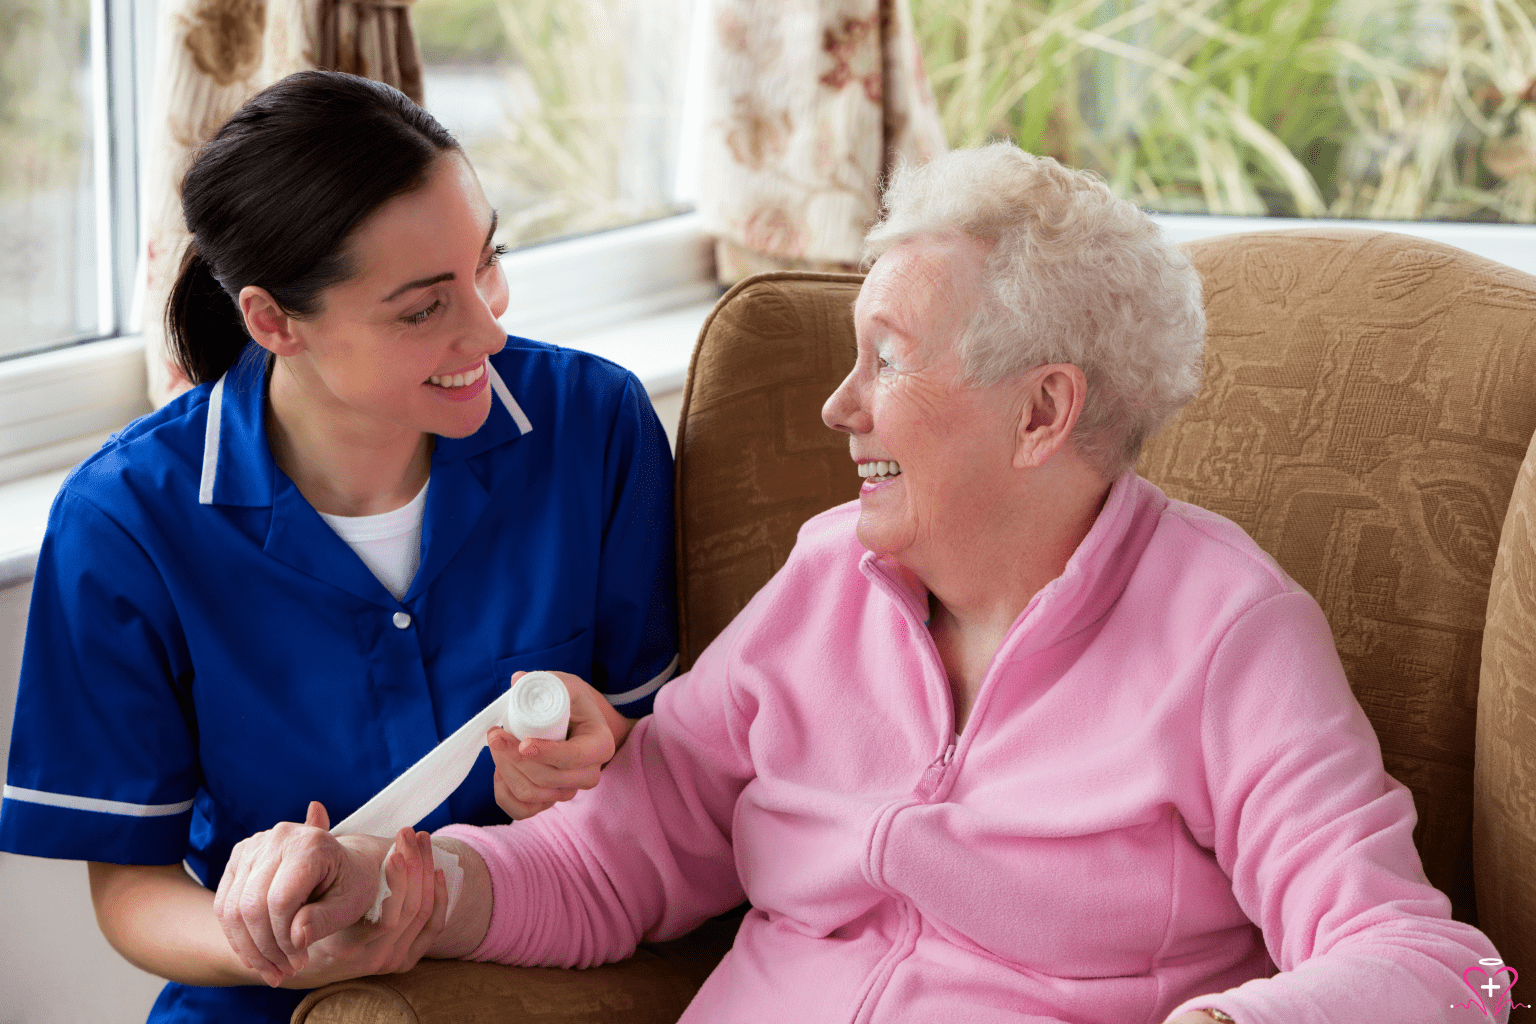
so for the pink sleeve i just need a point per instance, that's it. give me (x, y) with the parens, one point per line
(645, 855)
(1318, 840)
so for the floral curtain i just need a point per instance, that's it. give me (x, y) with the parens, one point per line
(213, 55)
(811, 104)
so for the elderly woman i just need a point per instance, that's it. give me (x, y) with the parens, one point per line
(1012, 737)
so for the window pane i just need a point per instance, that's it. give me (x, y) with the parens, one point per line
(1397, 109)
(48, 258)
(568, 109)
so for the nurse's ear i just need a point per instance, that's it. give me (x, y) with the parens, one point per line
(269, 325)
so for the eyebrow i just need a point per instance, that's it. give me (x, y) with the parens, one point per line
(427, 282)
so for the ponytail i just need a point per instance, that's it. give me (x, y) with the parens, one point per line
(205, 329)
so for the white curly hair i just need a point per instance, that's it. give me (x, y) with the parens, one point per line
(1074, 276)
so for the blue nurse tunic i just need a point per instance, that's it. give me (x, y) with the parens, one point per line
(204, 655)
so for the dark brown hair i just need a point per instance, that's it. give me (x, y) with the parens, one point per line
(272, 198)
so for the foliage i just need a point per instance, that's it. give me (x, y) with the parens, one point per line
(558, 165)
(459, 31)
(1348, 108)
(43, 124)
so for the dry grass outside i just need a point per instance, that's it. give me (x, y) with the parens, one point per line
(560, 162)
(1403, 109)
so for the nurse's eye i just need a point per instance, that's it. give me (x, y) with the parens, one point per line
(494, 258)
(417, 319)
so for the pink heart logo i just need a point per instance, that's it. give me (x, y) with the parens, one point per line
(1490, 995)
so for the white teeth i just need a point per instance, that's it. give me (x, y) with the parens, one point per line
(457, 380)
(882, 469)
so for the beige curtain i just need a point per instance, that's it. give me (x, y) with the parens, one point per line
(811, 103)
(212, 56)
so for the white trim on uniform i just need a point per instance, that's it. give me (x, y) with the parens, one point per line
(211, 443)
(499, 386)
(216, 417)
(90, 803)
(645, 689)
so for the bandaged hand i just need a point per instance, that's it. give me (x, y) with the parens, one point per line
(292, 900)
(533, 775)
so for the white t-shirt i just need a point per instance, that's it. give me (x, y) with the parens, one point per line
(389, 543)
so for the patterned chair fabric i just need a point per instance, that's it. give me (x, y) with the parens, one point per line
(1367, 404)
(1504, 783)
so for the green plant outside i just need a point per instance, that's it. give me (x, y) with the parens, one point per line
(459, 31)
(44, 47)
(1402, 109)
(553, 168)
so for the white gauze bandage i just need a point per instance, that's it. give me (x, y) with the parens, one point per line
(536, 707)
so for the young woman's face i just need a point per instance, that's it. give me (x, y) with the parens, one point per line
(404, 341)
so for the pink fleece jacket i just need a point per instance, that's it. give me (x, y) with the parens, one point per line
(1164, 790)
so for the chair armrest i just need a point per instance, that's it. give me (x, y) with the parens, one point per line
(652, 987)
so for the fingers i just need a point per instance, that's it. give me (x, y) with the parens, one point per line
(316, 817)
(347, 895)
(515, 808)
(546, 764)
(268, 877)
(420, 892)
(524, 787)
(414, 940)
(227, 901)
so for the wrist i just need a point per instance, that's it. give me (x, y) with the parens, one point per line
(465, 929)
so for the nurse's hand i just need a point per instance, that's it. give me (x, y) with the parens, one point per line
(534, 775)
(292, 899)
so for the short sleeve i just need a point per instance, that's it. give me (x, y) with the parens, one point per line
(103, 757)
(636, 638)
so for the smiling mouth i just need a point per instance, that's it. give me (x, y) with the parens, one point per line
(458, 380)
(879, 472)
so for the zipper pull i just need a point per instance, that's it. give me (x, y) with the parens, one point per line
(934, 774)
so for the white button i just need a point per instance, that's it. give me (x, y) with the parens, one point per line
(402, 620)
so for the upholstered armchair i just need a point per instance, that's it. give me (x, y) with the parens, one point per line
(1367, 413)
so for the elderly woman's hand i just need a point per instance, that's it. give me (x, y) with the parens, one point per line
(534, 775)
(292, 899)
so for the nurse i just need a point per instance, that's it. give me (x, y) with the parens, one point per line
(297, 578)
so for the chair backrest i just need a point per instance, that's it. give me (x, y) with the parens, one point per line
(1504, 784)
(1367, 402)
(754, 459)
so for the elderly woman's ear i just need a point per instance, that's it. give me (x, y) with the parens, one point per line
(1050, 401)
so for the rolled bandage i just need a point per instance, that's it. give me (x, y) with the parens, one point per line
(536, 707)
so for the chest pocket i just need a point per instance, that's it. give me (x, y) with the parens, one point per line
(573, 656)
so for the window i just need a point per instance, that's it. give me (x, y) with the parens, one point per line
(68, 219)
(570, 110)
(75, 86)
(1380, 109)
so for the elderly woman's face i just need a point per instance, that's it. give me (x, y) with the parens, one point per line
(933, 450)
